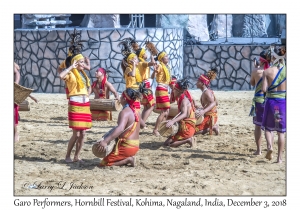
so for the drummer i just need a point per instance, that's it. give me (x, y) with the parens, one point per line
(127, 132)
(101, 88)
(209, 105)
(186, 117)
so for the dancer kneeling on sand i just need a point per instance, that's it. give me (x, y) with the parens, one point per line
(209, 105)
(186, 118)
(101, 88)
(79, 105)
(127, 133)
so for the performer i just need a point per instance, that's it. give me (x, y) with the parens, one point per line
(16, 107)
(63, 66)
(101, 88)
(258, 102)
(163, 78)
(148, 100)
(130, 69)
(127, 132)
(274, 117)
(209, 105)
(186, 117)
(172, 85)
(79, 106)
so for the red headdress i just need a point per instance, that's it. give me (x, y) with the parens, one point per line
(131, 105)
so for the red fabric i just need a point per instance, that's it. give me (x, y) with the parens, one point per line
(189, 97)
(266, 63)
(16, 114)
(132, 105)
(204, 79)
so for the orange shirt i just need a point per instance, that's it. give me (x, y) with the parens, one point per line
(161, 76)
(144, 70)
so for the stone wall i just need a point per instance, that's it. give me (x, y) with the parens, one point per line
(39, 53)
(234, 63)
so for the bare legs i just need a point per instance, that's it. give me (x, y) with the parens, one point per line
(163, 115)
(78, 138)
(128, 160)
(281, 142)
(191, 141)
(215, 129)
(16, 134)
(257, 136)
(146, 112)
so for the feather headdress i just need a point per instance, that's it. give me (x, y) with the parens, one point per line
(151, 48)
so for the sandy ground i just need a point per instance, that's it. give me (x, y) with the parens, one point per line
(219, 165)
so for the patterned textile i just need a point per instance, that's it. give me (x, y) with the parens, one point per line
(210, 119)
(162, 98)
(79, 115)
(123, 149)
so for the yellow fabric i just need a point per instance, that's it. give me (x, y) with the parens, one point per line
(71, 83)
(142, 53)
(163, 54)
(131, 82)
(163, 74)
(131, 55)
(79, 81)
(144, 70)
(81, 109)
(80, 124)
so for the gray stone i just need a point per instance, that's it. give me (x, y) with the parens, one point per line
(239, 56)
(43, 72)
(197, 27)
(221, 25)
(235, 63)
(254, 26)
(246, 52)
(224, 54)
(101, 21)
(246, 64)
(228, 70)
(197, 52)
(48, 53)
(241, 74)
(209, 56)
(231, 51)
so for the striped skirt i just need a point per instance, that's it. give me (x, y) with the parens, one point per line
(79, 115)
(101, 115)
(162, 98)
(148, 99)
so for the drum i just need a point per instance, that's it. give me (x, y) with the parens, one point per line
(166, 132)
(200, 119)
(24, 106)
(107, 151)
(105, 105)
(20, 93)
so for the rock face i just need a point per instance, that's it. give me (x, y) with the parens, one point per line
(36, 21)
(254, 26)
(196, 25)
(101, 21)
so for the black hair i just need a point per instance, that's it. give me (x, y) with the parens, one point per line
(183, 83)
(143, 89)
(133, 94)
(68, 61)
(173, 77)
(138, 52)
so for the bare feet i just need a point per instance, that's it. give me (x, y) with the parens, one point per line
(269, 155)
(76, 159)
(216, 129)
(156, 133)
(68, 160)
(257, 152)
